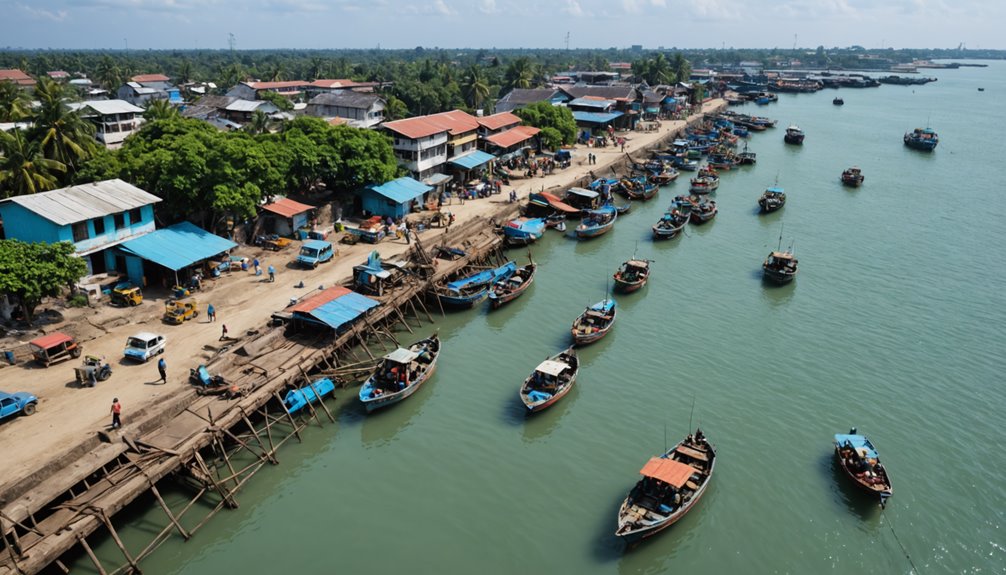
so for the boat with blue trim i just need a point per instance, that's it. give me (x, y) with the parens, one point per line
(510, 288)
(550, 381)
(523, 231)
(596, 222)
(472, 289)
(297, 399)
(860, 461)
(594, 323)
(924, 139)
(772, 199)
(703, 211)
(401, 373)
(671, 224)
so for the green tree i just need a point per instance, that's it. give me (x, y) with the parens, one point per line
(544, 115)
(160, 109)
(278, 100)
(24, 169)
(396, 109)
(15, 105)
(551, 139)
(32, 271)
(259, 123)
(520, 73)
(108, 74)
(474, 87)
(62, 134)
(680, 67)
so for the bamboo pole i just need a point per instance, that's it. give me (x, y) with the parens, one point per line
(167, 510)
(318, 395)
(115, 537)
(296, 430)
(90, 553)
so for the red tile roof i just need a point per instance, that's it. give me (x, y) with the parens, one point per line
(337, 121)
(455, 122)
(58, 74)
(16, 76)
(497, 121)
(276, 85)
(150, 78)
(513, 136)
(287, 207)
(341, 83)
(319, 299)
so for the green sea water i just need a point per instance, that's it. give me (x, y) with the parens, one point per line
(895, 325)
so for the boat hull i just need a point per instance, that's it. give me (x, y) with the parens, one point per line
(373, 403)
(884, 494)
(407, 392)
(660, 233)
(464, 302)
(777, 276)
(629, 287)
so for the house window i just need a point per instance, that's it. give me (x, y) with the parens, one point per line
(99, 226)
(120, 220)
(135, 216)
(80, 231)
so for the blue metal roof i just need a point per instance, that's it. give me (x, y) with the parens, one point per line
(334, 307)
(595, 117)
(473, 160)
(402, 190)
(177, 246)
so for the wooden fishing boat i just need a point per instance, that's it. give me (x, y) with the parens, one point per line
(594, 323)
(469, 290)
(597, 222)
(632, 275)
(401, 373)
(297, 399)
(780, 267)
(671, 224)
(550, 381)
(623, 208)
(746, 158)
(556, 220)
(703, 211)
(838, 101)
(523, 231)
(860, 461)
(772, 199)
(794, 135)
(583, 199)
(555, 202)
(707, 181)
(853, 177)
(639, 189)
(510, 288)
(924, 139)
(664, 177)
(671, 486)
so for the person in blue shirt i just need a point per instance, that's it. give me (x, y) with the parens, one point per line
(162, 368)
(272, 273)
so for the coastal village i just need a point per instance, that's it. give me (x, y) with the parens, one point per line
(235, 332)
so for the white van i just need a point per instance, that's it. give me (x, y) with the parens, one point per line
(144, 346)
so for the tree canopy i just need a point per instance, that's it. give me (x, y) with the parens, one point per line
(556, 122)
(31, 271)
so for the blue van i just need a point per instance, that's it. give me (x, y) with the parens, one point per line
(314, 252)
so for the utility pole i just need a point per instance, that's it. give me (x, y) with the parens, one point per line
(567, 40)
(231, 41)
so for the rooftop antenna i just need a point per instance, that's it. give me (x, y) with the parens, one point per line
(231, 41)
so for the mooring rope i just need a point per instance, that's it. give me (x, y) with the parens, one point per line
(890, 524)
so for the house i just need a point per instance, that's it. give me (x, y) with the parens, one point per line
(336, 308)
(520, 97)
(362, 110)
(241, 111)
(502, 135)
(142, 89)
(425, 144)
(251, 90)
(94, 217)
(284, 216)
(114, 120)
(395, 198)
(171, 255)
(341, 85)
(18, 77)
(496, 123)
(58, 75)
(227, 112)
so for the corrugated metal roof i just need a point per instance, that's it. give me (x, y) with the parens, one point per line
(150, 78)
(347, 99)
(529, 95)
(588, 102)
(473, 160)
(105, 107)
(80, 203)
(497, 121)
(287, 207)
(455, 122)
(402, 190)
(594, 117)
(178, 246)
(246, 105)
(335, 306)
(436, 179)
(513, 136)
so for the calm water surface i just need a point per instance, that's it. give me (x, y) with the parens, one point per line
(895, 325)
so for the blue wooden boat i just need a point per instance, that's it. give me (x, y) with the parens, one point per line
(550, 381)
(297, 399)
(671, 486)
(401, 373)
(511, 287)
(596, 222)
(594, 323)
(523, 231)
(671, 224)
(924, 139)
(473, 289)
(622, 208)
(583, 199)
(772, 199)
(703, 211)
(861, 463)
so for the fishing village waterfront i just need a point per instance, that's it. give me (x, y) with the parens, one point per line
(894, 326)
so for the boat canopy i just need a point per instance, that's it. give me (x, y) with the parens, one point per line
(774, 190)
(859, 442)
(669, 471)
(603, 305)
(551, 367)
(781, 255)
(582, 192)
(401, 355)
(637, 263)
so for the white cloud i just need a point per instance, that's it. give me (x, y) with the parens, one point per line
(573, 8)
(37, 13)
(488, 7)
(441, 7)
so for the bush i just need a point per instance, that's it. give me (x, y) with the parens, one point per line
(77, 300)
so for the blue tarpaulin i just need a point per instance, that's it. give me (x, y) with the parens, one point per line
(402, 190)
(473, 160)
(177, 246)
(334, 307)
(595, 118)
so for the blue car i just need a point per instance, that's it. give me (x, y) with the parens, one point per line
(14, 403)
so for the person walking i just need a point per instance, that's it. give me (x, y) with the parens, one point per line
(256, 265)
(223, 332)
(405, 232)
(211, 313)
(272, 273)
(116, 413)
(162, 368)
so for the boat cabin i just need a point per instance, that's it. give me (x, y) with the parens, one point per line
(583, 199)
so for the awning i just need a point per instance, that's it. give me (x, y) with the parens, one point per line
(402, 190)
(653, 110)
(287, 207)
(583, 193)
(473, 160)
(401, 355)
(177, 246)
(47, 341)
(595, 118)
(334, 307)
(669, 471)
(551, 367)
(437, 179)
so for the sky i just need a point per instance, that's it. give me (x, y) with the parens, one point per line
(256, 24)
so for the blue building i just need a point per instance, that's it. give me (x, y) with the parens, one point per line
(395, 198)
(94, 217)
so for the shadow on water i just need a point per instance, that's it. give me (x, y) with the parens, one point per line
(543, 423)
(606, 546)
(380, 427)
(846, 494)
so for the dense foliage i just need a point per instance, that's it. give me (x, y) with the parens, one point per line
(556, 122)
(31, 271)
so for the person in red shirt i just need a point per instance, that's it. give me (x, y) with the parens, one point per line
(116, 412)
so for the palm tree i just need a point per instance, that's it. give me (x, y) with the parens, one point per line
(184, 75)
(395, 110)
(681, 68)
(474, 86)
(23, 167)
(160, 110)
(259, 123)
(108, 74)
(14, 102)
(277, 72)
(519, 74)
(62, 134)
(231, 75)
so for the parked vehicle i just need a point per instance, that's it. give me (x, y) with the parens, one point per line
(144, 346)
(15, 403)
(93, 369)
(54, 347)
(315, 252)
(179, 311)
(126, 294)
